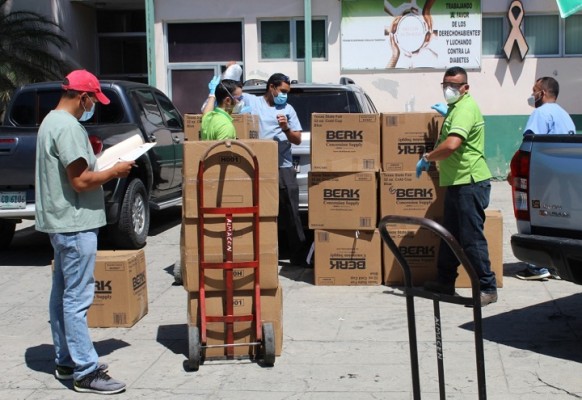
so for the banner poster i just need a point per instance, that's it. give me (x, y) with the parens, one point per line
(401, 34)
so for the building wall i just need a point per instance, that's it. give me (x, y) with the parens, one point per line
(500, 87)
(78, 23)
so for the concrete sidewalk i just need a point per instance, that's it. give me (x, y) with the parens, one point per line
(339, 342)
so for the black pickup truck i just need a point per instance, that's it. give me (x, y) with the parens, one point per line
(135, 108)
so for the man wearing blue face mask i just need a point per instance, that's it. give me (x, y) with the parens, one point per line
(548, 118)
(278, 121)
(70, 208)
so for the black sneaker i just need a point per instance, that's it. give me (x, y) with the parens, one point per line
(98, 382)
(64, 373)
(439, 287)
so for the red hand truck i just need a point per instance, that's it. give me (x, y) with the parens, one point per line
(410, 292)
(264, 331)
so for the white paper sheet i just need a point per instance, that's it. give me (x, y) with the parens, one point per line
(128, 150)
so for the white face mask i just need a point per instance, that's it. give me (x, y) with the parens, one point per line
(451, 95)
(87, 115)
(238, 107)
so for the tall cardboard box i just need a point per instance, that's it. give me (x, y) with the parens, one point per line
(192, 124)
(229, 174)
(406, 137)
(245, 125)
(345, 142)
(215, 243)
(420, 248)
(121, 296)
(244, 332)
(351, 258)
(402, 193)
(342, 200)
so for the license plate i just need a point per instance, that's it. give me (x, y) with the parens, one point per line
(10, 200)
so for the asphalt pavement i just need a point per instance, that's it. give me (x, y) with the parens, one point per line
(339, 342)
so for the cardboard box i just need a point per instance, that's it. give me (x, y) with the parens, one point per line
(246, 126)
(494, 235)
(402, 193)
(420, 248)
(215, 242)
(121, 296)
(345, 142)
(244, 332)
(342, 200)
(228, 176)
(192, 124)
(406, 137)
(350, 258)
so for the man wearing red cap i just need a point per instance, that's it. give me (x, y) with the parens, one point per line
(70, 208)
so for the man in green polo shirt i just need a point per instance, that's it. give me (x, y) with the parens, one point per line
(460, 152)
(217, 122)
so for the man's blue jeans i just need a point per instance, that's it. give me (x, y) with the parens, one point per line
(71, 296)
(464, 218)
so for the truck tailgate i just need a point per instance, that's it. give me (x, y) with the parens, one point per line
(555, 195)
(17, 158)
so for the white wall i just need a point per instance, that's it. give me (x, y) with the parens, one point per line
(500, 87)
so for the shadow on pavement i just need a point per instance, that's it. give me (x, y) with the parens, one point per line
(28, 248)
(551, 328)
(167, 335)
(41, 358)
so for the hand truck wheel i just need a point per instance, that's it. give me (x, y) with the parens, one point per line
(194, 348)
(268, 344)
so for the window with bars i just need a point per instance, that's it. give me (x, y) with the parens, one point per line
(285, 39)
(546, 35)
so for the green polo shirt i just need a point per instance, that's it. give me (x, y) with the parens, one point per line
(468, 161)
(217, 125)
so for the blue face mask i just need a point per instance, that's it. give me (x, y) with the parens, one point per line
(280, 99)
(87, 114)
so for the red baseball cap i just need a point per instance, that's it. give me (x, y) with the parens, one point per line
(84, 81)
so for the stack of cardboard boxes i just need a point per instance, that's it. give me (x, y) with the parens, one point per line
(342, 185)
(228, 182)
(405, 137)
(363, 167)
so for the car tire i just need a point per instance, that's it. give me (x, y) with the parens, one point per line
(131, 231)
(7, 229)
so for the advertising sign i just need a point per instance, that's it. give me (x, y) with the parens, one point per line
(400, 34)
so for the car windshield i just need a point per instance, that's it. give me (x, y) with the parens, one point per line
(306, 102)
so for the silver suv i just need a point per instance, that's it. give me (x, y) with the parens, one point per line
(307, 98)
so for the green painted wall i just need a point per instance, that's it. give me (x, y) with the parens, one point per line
(503, 137)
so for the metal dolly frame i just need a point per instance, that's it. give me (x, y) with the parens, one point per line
(410, 292)
(264, 332)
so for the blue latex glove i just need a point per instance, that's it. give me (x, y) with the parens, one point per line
(420, 166)
(441, 108)
(213, 84)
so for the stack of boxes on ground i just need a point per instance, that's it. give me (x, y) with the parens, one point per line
(121, 296)
(342, 185)
(228, 182)
(347, 196)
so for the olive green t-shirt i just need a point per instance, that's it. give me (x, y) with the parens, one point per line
(217, 125)
(467, 163)
(59, 208)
